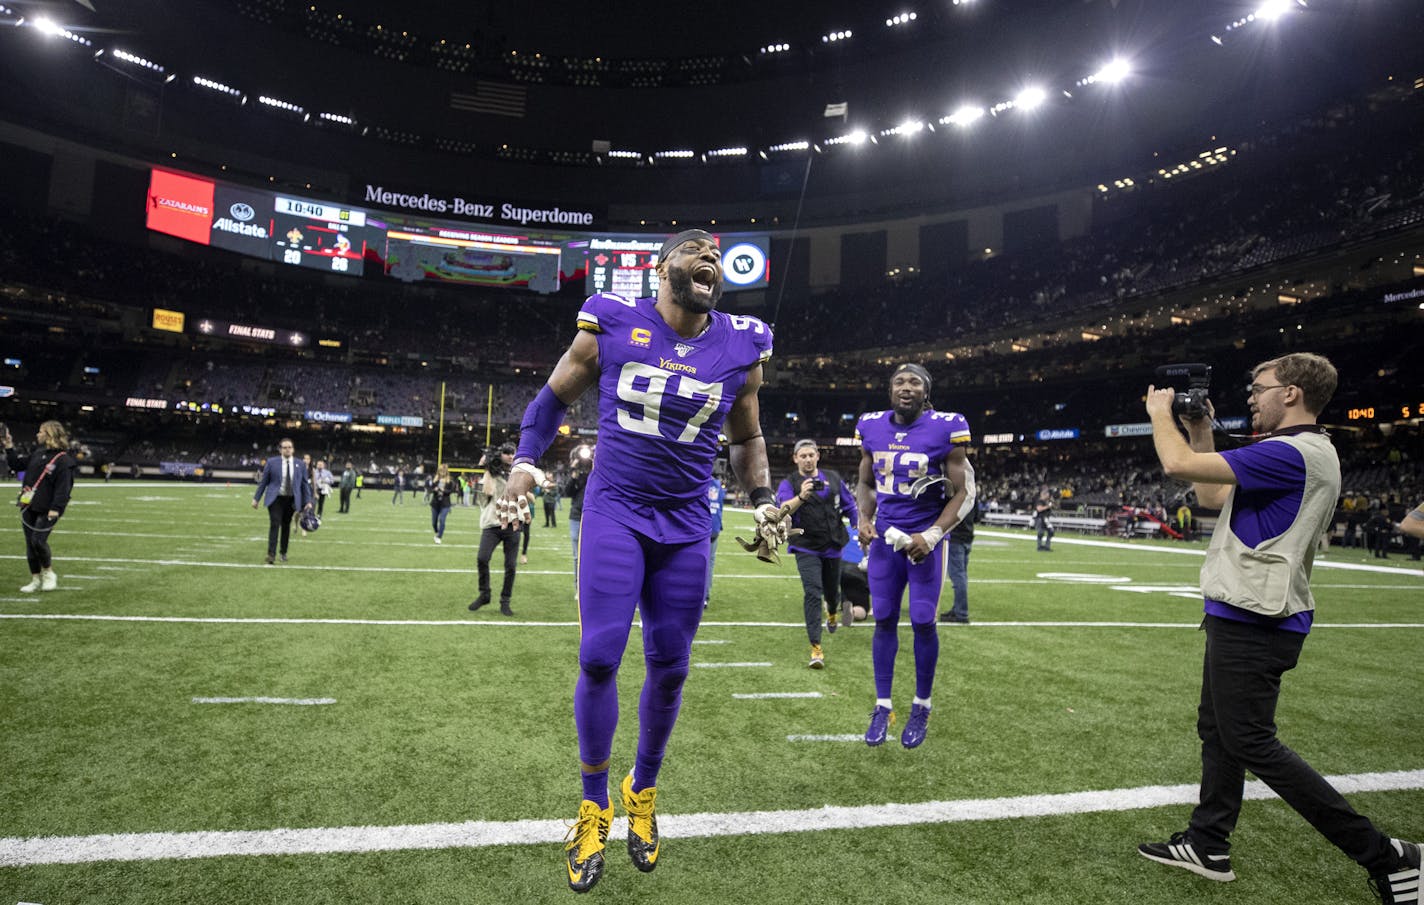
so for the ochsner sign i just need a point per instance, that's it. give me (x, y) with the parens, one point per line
(485, 211)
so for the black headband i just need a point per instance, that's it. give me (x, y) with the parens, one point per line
(918, 371)
(684, 236)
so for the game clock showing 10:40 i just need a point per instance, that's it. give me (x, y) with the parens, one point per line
(320, 236)
(1384, 412)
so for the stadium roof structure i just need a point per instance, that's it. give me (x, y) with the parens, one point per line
(954, 101)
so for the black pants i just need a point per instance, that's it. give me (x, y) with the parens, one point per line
(528, 530)
(320, 504)
(489, 539)
(820, 577)
(279, 524)
(551, 516)
(1236, 720)
(345, 500)
(37, 526)
(1045, 533)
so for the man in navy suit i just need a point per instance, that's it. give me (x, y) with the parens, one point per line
(284, 491)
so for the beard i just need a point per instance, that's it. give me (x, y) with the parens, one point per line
(683, 295)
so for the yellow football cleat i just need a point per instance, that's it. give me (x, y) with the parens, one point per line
(643, 842)
(587, 839)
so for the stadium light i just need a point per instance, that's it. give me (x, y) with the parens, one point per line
(964, 116)
(137, 60)
(50, 29)
(1030, 97)
(1272, 10)
(280, 104)
(728, 152)
(203, 82)
(901, 19)
(1115, 71)
(790, 146)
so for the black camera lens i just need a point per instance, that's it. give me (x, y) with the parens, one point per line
(818, 485)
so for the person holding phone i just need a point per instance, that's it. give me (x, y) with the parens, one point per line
(48, 481)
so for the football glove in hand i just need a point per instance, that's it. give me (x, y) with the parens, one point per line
(773, 528)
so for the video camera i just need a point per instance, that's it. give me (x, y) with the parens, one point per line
(492, 462)
(1191, 402)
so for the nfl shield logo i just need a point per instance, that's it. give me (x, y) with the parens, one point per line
(682, 349)
(900, 436)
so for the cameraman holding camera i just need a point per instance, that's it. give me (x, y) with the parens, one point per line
(493, 533)
(1275, 496)
(825, 501)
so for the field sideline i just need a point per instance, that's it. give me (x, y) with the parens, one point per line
(182, 723)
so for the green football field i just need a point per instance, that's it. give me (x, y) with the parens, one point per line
(181, 724)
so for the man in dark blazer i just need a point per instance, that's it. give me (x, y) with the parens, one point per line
(284, 490)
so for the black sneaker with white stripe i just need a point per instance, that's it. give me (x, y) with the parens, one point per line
(1402, 886)
(1179, 852)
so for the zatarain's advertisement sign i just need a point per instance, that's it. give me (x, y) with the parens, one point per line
(485, 210)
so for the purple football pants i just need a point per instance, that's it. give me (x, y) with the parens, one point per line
(889, 573)
(621, 570)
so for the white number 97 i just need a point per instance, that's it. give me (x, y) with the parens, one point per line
(651, 400)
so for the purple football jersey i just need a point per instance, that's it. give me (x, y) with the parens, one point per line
(904, 453)
(661, 403)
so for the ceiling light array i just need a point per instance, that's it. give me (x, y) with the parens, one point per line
(901, 19)
(1203, 161)
(137, 60)
(1268, 12)
(835, 36)
(776, 48)
(219, 87)
(48, 27)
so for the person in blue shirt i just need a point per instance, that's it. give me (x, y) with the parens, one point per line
(716, 500)
(1276, 495)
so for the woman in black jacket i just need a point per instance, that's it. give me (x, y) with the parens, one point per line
(442, 490)
(49, 480)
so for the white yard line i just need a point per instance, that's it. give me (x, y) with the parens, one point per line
(299, 702)
(847, 737)
(776, 695)
(24, 852)
(731, 665)
(524, 623)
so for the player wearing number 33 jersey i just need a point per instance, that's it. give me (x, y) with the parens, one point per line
(672, 372)
(916, 484)
(661, 403)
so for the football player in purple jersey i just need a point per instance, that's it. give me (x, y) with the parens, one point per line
(916, 484)
(671, 372)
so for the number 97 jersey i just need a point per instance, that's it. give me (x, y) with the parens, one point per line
(662, 399)
(902, 454)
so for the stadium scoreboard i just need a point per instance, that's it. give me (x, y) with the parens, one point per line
(628, 264)
(334, 238)
(319, 235)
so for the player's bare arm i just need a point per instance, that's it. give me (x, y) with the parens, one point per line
(576, 371)
(865, 499)
(747, 450)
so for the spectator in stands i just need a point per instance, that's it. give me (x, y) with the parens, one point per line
(48, 481)
(441, 492)
(1275, 497)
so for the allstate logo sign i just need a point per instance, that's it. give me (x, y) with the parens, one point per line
(242, 212)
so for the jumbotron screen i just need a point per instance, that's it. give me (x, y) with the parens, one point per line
(259, 224)
(443, 253)
(627, 264)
